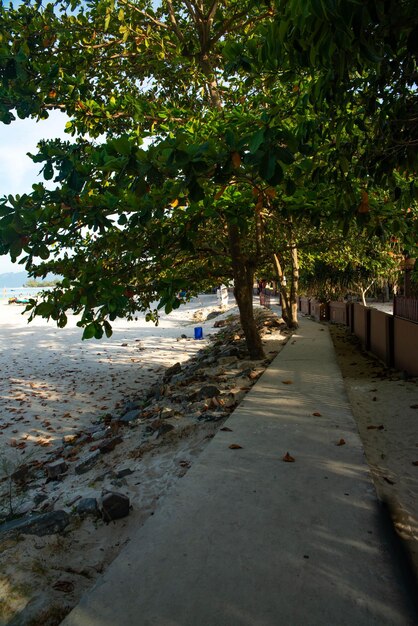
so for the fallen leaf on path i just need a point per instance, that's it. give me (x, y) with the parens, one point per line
(234, 446)
(317, 414)
(287, 382)
(341, 442)
(414, 406)
(226, 429)
(415, 463)
(288, 458)
(373, 427)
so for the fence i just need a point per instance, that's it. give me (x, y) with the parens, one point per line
(265, 297)
(407, 308)
(392, 338)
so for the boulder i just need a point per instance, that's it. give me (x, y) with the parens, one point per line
(114, 505)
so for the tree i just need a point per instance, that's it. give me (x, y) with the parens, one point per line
(136, 73)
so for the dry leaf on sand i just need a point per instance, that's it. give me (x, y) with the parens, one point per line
(288, 458)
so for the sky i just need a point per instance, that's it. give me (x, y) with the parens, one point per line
(17, 171)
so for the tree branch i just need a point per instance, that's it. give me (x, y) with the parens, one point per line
(174, 21)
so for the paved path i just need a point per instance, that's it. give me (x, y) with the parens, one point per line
(247, 539)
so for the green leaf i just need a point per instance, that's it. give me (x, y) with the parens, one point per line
(89, 331)
(256, 141)
(48, 171)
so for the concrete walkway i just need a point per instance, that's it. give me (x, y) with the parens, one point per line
(246, 539)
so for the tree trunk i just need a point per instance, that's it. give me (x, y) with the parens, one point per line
(243, 291)
(289, 297)
(294, 288)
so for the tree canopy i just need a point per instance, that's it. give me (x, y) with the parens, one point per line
(203, 136)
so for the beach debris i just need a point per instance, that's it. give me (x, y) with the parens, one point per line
(114, 506)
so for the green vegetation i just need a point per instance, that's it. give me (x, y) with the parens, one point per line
(40, 283)
(208, 141)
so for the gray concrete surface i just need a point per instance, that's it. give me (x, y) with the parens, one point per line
(246, 539)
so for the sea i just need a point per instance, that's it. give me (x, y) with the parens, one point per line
(23, 293)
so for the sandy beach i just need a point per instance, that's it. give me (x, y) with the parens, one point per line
(53, 383)
(57, 395)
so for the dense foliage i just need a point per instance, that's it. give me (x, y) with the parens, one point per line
(207, 139)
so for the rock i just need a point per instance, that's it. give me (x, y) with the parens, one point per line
(157, 391)
(159, 426)
(166, 412)
(114, 506)
(124, 472)
(109, 444)
(227, 360)
(56, 469)
(39, 497)
(207, 391)
(214, 314)
(212, 416)
(40, 525)
(130, 416)
(133, 404)
(174, 369)
(86, 463)
(230, 351)
(99, 434)
(87, 506)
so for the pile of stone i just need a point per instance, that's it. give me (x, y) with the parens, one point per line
(205, 390)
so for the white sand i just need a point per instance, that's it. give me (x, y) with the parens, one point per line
(53, 383)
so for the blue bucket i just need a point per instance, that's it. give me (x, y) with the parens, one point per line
(198, 332)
